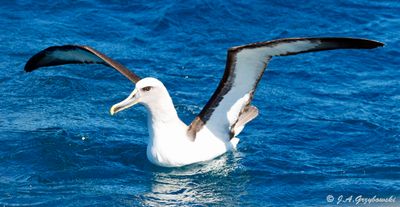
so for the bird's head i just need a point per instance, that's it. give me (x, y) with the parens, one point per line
(148, 91)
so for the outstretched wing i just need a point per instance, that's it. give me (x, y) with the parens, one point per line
(75, 54)
(244, 68)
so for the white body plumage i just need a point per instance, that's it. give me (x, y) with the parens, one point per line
(169, 144)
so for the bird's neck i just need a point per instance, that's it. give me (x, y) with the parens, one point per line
(162, 112)
(162, 116)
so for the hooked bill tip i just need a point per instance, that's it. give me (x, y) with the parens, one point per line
(112, 110)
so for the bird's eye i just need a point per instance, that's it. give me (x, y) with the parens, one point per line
(147, 88)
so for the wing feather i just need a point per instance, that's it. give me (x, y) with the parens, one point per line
(244, 68)
(75, 54)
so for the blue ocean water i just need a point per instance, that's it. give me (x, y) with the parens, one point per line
(328, 123)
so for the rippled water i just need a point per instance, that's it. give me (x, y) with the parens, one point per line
(329, 121)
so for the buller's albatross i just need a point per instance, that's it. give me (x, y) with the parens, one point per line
(214, 131)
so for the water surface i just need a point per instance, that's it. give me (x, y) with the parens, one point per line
(329, 121)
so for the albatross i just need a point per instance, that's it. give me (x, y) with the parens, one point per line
(215, 130)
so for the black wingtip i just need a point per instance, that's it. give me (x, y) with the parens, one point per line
(368, 44)
(378, 44)
(350, 42)
(31, 64)
(35, 61)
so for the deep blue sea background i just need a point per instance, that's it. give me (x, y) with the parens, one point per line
(329, 122)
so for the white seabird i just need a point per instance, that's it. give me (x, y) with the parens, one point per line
(214, 131)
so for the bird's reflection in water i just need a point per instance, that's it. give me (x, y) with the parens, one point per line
(200, 184)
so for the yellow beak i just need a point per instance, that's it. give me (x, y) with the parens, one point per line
(128, 102)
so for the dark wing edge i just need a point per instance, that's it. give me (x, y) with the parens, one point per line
(272, 49)
(75, 54)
